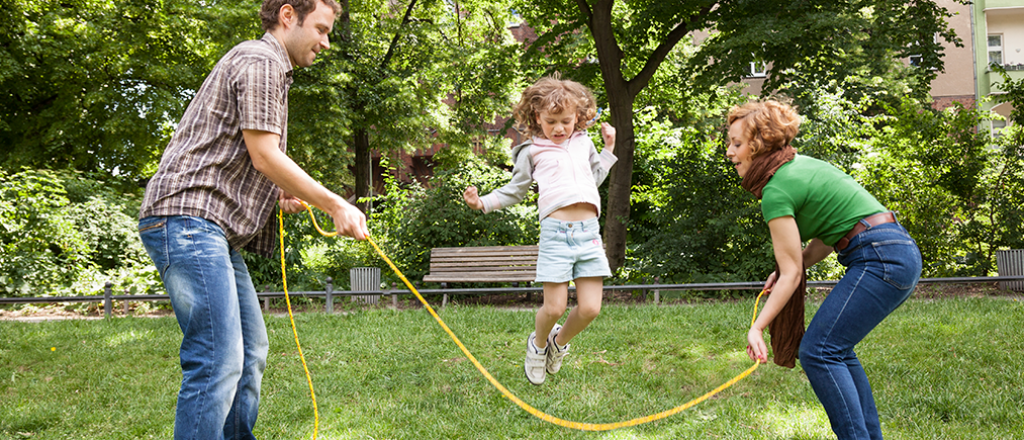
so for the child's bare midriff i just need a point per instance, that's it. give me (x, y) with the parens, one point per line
(575, 212)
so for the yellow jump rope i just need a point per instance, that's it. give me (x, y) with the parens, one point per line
(504, 391)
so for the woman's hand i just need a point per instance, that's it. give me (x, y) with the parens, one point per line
(770, 282)
(756, 348)
(472, 198)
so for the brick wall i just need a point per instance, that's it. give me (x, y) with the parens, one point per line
(942, 102)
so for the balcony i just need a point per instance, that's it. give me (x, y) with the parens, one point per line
(1015, 71)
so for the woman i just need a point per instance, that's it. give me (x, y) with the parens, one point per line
(802, 199)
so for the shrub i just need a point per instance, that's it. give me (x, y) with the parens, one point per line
(68, 243)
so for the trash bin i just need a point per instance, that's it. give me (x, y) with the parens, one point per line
(1010, 263)
(365, 278)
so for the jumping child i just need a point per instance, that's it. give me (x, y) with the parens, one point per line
(568, 169)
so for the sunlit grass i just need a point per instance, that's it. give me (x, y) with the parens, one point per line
(941, 369)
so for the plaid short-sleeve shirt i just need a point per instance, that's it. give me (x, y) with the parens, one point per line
(206, 170)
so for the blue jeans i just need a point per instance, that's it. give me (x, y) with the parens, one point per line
(883, 265)
(224, 346)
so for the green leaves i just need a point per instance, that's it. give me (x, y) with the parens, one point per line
(94, 84)
(951, 189)
(52, 245)
(417, 219)
(403, 76)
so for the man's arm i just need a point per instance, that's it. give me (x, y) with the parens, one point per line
(268, 159)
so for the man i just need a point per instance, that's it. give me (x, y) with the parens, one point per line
(213, 194)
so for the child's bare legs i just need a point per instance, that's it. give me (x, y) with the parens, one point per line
(589, 293)
(556, 295)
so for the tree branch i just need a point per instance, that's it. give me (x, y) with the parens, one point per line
(603, 31)
(398, 34)
(585, 9)
(641, 80)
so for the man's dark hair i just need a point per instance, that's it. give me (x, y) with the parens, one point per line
(270, 9)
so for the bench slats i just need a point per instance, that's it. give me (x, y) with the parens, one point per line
(470, 267)
(483, 264)
(485, 261)
(491, 277)
(483, 251)
(527, 248)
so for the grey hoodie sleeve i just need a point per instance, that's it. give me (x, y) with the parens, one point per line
(517, 189)
(601, 163)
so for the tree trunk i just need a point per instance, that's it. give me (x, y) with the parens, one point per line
(620, 179)
(620, 105)
(363, 168)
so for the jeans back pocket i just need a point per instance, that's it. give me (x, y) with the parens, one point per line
(901, 262)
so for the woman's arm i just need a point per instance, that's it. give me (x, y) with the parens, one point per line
(815, 251)
(789, 257)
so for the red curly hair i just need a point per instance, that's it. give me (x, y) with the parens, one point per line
(769, 125)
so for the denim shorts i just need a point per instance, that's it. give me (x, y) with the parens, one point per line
(570, 250)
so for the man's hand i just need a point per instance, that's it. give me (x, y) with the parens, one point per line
(289, 203)
(350, 221)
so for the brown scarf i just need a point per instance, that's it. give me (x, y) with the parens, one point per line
(787, 328)
(764, 167)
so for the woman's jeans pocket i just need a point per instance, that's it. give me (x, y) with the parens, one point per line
(900, 260)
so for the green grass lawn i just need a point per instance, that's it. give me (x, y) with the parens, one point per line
(941, 369)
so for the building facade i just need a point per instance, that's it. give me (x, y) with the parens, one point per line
(998, 27)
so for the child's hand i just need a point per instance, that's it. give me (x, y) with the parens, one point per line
(608, 133)
(472, 198)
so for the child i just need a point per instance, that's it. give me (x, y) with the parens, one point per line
(568, 169)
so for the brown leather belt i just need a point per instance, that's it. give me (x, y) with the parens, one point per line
(873, 220)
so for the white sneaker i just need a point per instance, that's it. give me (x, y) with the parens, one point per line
(553, 363)
(536, 359)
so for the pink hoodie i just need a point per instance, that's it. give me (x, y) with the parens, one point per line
(566, 174)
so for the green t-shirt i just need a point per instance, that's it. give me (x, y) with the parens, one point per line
(825, 201)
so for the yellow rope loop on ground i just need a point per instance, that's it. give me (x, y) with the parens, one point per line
(504, 391)
(284, 282)
(539, 414)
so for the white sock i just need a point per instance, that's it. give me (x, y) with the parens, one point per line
(536, 349)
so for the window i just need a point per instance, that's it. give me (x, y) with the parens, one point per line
(995, 49)
(998, 126)
(917, 59)
(758, 69)
(515, 20)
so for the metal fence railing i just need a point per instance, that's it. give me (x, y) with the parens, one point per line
(329, 294)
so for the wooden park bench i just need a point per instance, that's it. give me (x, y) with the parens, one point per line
(482, 264)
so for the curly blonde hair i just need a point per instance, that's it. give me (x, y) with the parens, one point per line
(553, 94)
(769, 125)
